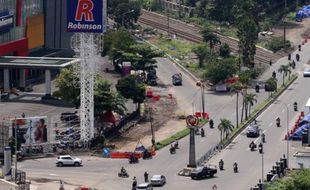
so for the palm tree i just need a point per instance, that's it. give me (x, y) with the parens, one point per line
(250, 99)
(244, 78)
(201, 53)
(237, 87)
(225, 126)
(284, 69)
(210, 37)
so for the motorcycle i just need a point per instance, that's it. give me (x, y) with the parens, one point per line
(211, 123)
(252, 146)
(235, 169)
(133, 160)
(278, 123)
(260, 150)
(202, 132)
(146, 155)
(295, 106)
(123, 174)
(172, 150)
(221, 165)
(263, 138)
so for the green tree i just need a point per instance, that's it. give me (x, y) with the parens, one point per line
(112, 4)
(222, 10)
(247, 33)
(244, 78)
(271, 85)
(117, 42)
(225, 50)
(107, 100)
(201, 53)
(221, 70)
(67, 90)
(225, 126)
(130, 88)
(127, 13)
(142, 57)
(285, 70)
(210, 37)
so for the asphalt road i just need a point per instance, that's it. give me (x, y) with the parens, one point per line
(102, 173)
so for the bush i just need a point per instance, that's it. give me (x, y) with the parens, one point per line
(224, 50)
(277, 44)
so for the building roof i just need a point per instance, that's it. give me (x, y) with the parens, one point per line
(35, 62)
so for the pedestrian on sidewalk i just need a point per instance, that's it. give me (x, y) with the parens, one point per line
(23, 115)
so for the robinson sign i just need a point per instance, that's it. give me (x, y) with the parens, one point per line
(85, 16)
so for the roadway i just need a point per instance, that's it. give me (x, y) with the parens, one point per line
(102, 173)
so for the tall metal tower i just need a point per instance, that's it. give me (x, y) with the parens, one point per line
(87, 46)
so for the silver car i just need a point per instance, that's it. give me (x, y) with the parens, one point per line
(158, 180)
(68, 160)
(145, 186)
(307, 72)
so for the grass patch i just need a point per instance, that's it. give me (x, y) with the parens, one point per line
(177, 136)
(176, 48)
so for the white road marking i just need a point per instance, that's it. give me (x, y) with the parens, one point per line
(270, 124)
(53, 174)
(283, 110)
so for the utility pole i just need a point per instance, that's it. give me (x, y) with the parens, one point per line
(202, 88)
(262, 167)
(284, 22)
(151, 122)
(168, 20)
(16, 139)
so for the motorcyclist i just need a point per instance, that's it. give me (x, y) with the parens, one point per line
(146, 176)
(211, 123)
(202, 132)
(176, 144)
(235, 167)
(274, 74)
(221, 164)
(123, 171)
(263, 137)
(252, 145)
(134, 183)
(278, 121)
(297, 57)
(260, 147)
(295, 106)
(172, 148)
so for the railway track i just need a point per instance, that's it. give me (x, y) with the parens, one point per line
(191, 33)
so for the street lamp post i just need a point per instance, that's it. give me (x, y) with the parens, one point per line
(151, 122)
(125, 14)
(16, 139)
(262, 167)
(202, 87)
(287, 131)
(284, 22)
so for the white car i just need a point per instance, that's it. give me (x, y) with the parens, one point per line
(145, 186)
(307, 72)
(158, 180)
(68, 160)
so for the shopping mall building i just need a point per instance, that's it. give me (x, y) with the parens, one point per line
(31, 28)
